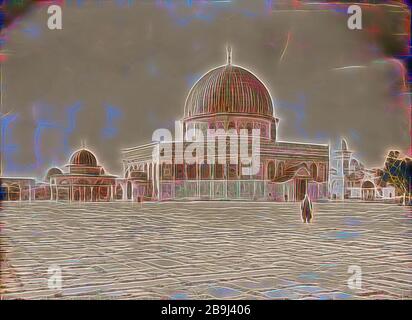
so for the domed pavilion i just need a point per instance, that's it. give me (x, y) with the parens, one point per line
(84, 181)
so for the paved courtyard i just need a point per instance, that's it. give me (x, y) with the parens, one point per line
(205, 250)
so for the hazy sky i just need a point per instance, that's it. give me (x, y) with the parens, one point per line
(115, 73)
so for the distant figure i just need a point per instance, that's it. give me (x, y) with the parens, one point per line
(306, 209)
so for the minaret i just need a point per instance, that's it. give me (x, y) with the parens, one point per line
(341, 160)
(343, 157)
(229, 55)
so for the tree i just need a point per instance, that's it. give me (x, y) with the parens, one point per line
(398, 172)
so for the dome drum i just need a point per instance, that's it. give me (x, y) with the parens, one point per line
(237, 122)
(84, 162)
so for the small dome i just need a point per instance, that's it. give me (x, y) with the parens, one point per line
(53, 172)
(83, 157)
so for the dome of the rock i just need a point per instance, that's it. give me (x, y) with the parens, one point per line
(229, 89)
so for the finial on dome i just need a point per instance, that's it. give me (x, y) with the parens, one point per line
(229, 54)
(344, 145)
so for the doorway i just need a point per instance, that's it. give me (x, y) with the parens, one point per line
(301, 186)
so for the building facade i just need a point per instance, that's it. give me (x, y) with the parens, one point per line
(17, 189)
(233, 104)
(349, 179)
(82, 181)
(230, 98)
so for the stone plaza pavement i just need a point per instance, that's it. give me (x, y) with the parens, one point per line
(209, 250)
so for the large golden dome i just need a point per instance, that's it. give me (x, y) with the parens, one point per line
(228, 89)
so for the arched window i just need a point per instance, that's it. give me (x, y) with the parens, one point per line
(314, 171)
(321, 173)
(273, 131)
(14, 192)
(205, 168)
(233, 171)
(129, 190)
(101, 193)
(179, 171)
(263, 130)
(231, 125)
(271, 170)
(281, 169)
(249, 128)
(191, 171)
(166, 171)
(219, 171)
(88, 194)
(119, 192)
(76, 194)
(368, 190)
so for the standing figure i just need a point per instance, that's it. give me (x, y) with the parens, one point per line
(306, 209)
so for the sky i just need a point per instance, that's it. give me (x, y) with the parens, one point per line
(119, 70)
